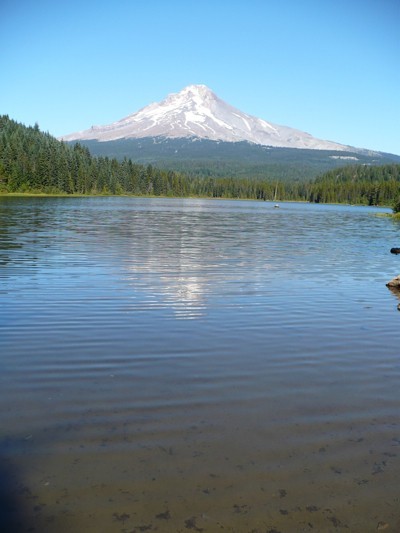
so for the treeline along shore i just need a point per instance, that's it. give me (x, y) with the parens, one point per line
(35, 162)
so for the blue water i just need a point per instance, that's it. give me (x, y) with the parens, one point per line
(195, 364)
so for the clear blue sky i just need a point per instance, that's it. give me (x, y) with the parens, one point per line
(328, 67)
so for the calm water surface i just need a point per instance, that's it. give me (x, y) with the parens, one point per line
(177, 365)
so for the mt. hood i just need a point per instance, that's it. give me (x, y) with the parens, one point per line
(196, 112)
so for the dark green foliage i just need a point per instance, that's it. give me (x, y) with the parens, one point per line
(396, 207)
(204, 158)
(362, 184)
(36, 162)
(32, 161)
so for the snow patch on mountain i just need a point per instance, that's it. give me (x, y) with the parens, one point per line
(197, 112)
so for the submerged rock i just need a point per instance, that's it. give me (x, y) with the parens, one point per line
(381, 526)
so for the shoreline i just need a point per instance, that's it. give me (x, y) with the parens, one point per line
(75, 195)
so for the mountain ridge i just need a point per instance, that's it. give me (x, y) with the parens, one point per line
(197, 112)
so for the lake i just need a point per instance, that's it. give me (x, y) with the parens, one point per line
(198, 365)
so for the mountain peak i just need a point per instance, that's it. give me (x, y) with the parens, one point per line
(197, 112)
(192, 94)
(201, 90)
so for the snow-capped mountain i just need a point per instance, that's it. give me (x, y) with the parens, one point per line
(196, 112)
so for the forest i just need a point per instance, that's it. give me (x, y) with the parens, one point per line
(32, 161)
(204, 158)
